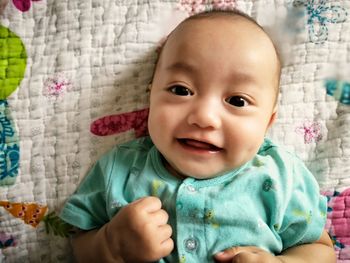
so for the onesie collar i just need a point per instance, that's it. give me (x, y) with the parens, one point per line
(162, 172)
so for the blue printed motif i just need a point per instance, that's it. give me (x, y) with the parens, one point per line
(6, 130)
(9, 158)
(8, 242)
(340, 90)
(319, 14)
(9, 148)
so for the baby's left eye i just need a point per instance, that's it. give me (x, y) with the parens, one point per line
(180, 90)
(237, 101)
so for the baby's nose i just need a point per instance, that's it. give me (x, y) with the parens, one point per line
(205, 115)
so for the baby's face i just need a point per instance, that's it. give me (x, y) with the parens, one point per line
(212, 96)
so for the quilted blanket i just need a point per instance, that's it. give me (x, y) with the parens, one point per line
(73, 82)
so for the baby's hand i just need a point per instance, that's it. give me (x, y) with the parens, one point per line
(246, 255)
(139, 232)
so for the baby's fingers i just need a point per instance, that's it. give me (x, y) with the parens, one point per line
(163, 245)
(159, 217)
(164, 232)
(149, 204)
(167, 247)
(246, 255)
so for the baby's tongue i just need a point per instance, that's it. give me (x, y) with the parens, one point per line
(198, 144)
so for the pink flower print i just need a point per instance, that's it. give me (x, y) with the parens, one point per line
(23, 5)
(196, 6)
(56, 85)
(192, 6)
(115, 124)
(224, 4)
(311, 131)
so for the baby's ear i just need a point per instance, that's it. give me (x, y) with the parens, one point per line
(272, 118)
(149, 87)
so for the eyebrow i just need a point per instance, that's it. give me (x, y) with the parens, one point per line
(242, 77)
(238, 76)
(181, 66)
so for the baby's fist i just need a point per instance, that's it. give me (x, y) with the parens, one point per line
(246, 255)
(142, 231)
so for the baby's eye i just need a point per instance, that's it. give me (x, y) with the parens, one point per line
(237, 101)
(180, 90)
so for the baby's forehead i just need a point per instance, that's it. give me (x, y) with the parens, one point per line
(222, 27)
(213, 23)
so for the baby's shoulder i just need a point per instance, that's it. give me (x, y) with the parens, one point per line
(285, 162)
(279, 158)
(139, 144)
(126, 155)
(277, 151)
(135, 149)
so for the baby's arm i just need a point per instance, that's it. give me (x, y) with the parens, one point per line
(318, 252)
(137, 233)
(321, 251)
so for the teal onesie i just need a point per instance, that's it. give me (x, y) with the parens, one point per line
(271, 202)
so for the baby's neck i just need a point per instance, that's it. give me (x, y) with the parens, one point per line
(171, 170)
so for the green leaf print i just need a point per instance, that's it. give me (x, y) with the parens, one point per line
(13, 59)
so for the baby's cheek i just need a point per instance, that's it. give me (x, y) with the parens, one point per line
(243, 145)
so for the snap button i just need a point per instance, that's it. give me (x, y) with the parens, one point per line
(116, 204)
(191, 244)
(190, 188)
(179, 205)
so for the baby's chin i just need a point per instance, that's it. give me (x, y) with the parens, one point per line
(197, 171)
(202, 174)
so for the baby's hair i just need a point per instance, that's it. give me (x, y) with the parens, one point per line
(213, 13)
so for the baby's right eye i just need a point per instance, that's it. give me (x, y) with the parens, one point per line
(180, 90)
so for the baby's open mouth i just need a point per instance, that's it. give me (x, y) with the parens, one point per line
(199, 145)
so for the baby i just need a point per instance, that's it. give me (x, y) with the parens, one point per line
(206, 185)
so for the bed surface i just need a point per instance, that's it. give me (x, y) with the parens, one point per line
(73, 81)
